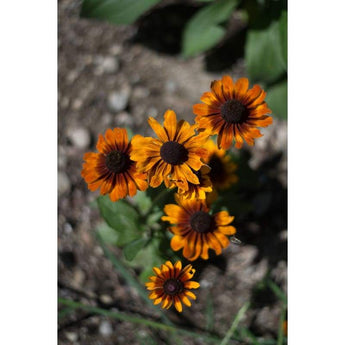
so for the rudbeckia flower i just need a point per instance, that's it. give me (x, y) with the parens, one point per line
(197, 191)
(233, 112)
(171, 285)
(196, 230)
(111, 169)
(173, 155)
(222, 174)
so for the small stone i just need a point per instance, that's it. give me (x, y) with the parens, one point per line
(62, 157)
(71, 336)
(110, 64)
(64, 184)
(141, 92)
(77, 104)
(115, 49)
(205, 284)
(72, 76)
(118, 100)
(105, 328)
(68, 228)
(124, 119)
(106, 299)
(106, 64)
(79, 137)
(78, 278)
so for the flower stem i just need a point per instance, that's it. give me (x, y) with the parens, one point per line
(235, 323)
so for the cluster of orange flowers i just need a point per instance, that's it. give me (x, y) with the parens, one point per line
(183, 156)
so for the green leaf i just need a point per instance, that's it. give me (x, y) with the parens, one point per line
(131, 249)
(283, 36)
(143, 202)
(122, 217)
(154, 218)
(277, 99)
(108, 234)
(202, 31)
(263, 54)
(116, 11)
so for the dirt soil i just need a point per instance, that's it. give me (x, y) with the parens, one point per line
(118, 76)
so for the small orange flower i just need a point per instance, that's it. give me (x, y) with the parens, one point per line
(222, 172)
(111, 169)
(172, 285)
(233, 112)
(173, 155)
(197, 191)
(196, 230)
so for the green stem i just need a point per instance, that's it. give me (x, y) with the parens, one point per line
(133, 319)
(277, 291)
(158, 197)
(235, 323)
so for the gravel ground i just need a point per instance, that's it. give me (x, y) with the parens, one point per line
(110, 76)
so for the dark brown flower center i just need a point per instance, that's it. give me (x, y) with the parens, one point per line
(202, 222)
(117, 162)
(173, 286)
(173, 153)
(217, 173)
(233, 111)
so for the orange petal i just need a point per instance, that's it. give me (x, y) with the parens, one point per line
(226, 137)
(178, 267)
(217, 88)
(170, 124)
(189, 294)
(205, 110)
(227, 230)
(210, 99)
(223, 218)
(191, 284)
(188, 173)
(121, 139)
(241, 88)
(223, 240)
(158, 129)
(228, 86)
(185, 300)
(178, 304)
(177, 242)
(213, 243)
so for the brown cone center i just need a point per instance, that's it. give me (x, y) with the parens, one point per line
(217, 172)
(233, 111)
(117, 162)
(202, 222)
(173, 153)
(173, 287)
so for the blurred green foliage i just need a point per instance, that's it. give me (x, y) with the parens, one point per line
(203, 30)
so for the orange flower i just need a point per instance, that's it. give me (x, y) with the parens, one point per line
(111, 169)
(197, 191)
(172, 285)
(196, 230)
(233, 112)
(173, 155)
(222, 172)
